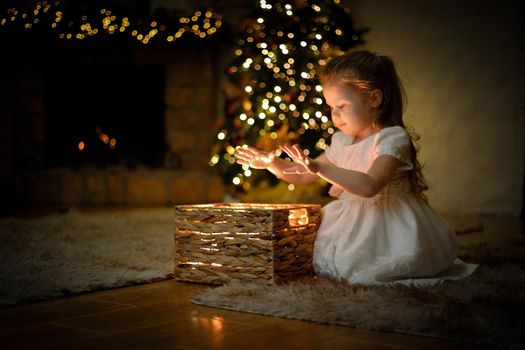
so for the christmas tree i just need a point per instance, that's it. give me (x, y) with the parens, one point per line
(273, 95)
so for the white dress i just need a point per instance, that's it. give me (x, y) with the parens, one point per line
(389, 237)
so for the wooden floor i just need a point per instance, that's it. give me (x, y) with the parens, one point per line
(161, 316)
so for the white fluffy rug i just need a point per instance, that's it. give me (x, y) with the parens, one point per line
(485, 309)
(70, 253)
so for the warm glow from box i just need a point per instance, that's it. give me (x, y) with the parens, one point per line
(298, 217)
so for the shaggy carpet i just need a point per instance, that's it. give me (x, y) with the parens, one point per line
(487, 308)
(71, 253)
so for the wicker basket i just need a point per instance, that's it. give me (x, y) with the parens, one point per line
(215, 243)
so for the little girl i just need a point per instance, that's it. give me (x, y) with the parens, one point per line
(380, 229)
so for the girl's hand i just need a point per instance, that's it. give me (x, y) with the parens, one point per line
(254, 157)
(305, 164)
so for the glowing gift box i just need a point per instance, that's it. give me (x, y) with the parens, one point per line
(270, 243)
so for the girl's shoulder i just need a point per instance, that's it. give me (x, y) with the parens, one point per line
(392, 135)
(394, 141)
(393, 130)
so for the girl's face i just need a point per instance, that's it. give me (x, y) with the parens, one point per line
(353, 112)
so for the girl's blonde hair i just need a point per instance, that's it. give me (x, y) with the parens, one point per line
(368, 71)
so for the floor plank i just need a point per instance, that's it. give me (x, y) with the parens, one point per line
(55, 310)
(43, 336)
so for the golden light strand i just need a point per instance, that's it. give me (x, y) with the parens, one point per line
(201, 24)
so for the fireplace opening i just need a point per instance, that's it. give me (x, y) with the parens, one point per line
(104, 114)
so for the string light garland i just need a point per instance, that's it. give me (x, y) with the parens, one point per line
(275, 68)
(50, 14)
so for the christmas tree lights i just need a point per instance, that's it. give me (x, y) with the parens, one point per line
(273, 94)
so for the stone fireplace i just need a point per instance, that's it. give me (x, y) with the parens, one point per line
(113, 127)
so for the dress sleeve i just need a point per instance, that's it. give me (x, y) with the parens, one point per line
(335, 146)
(394, 141)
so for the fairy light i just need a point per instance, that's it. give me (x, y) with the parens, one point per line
(265, 6)
(214, 159)
(50, 13)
